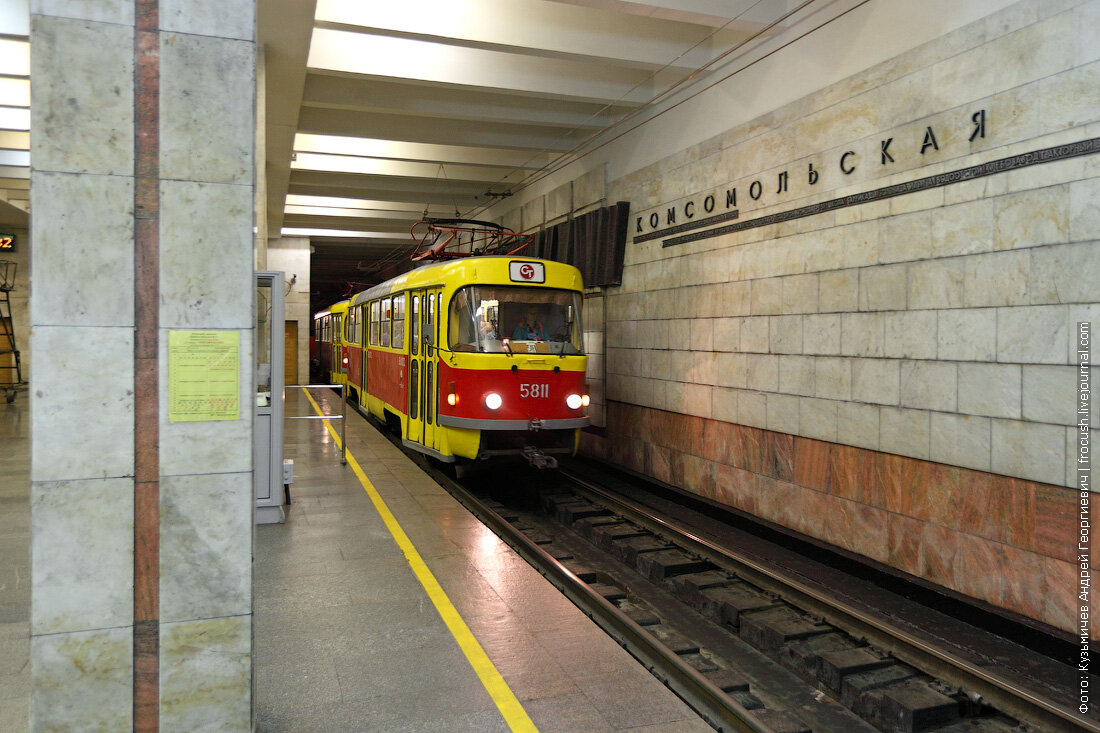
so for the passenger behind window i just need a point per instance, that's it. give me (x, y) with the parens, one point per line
(530, 328)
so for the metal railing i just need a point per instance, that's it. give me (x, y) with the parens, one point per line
(343, 417)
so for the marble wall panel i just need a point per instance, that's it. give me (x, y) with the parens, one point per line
(83, 111)
(961, 440)
(858, 425)
(82, 681)
(818, 418)
(97, 365)
(205, 257)
(207, 93)
(839, 291)
(910, 335)
(929, 385)
(1029, 450)
(906, 237)
(796, 375)
(82, 555)
(83, 230)
(936, 284)
(861, 334)
(221, 18)
(783, 413)
(1065, 273)
(754, 335)
(967, 335)
(206, 674)
(1085, 33)
(1032, 335)
(104, 11)
(999, 278)
(962, 229)
(1032, 217)
(990, 390)
(904, 432)
(206, 546)
(877, 381)
(1050, 394)
(762, 372)
(1067, 99)
(883, 288)
(785, 334)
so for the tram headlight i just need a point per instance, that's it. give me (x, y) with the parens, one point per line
(574, 401)
(452, 399)
(345, 361)
(493, 401)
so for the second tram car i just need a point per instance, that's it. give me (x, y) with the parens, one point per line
(473, 358)
(332, 351)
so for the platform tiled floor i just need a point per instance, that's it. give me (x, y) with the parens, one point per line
(347, 639)
(15, 563)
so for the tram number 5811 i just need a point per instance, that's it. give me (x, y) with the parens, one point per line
(534, 390)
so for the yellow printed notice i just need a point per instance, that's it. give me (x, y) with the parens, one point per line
(204, 369)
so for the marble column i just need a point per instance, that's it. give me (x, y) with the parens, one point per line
(142, 192)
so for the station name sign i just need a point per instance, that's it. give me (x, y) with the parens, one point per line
(662, 221)
(718, 206)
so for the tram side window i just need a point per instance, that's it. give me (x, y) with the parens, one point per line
(399, 321)
(387, 314)
(374, 323)
(353, 326)
(415, 325)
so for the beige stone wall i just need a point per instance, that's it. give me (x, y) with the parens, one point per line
(935, 325)
(290, 255)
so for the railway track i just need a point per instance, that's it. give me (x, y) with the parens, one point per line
(746, 645)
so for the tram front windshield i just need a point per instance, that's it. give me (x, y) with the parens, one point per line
(507, 319)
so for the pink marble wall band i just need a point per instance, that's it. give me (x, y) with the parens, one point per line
(146, 387)
(983, 535)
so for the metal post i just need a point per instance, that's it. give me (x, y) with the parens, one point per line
(344, 429)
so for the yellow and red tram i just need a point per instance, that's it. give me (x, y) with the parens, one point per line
(474, 357)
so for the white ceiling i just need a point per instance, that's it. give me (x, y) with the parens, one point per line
(378, 112)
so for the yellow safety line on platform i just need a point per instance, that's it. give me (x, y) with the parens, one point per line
(514, 714)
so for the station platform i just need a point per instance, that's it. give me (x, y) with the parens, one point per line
(350, 632)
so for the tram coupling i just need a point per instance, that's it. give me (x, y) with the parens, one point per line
(538, 459)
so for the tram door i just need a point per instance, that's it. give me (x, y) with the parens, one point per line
(423, 389)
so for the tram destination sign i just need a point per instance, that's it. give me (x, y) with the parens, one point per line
(7, 242)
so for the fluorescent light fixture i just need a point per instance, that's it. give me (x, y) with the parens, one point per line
(305, 232)
(15, 57)
(409, 216)
(15, 157)
(369, 147)
(296, 199)
(15, 118)
(15, 92)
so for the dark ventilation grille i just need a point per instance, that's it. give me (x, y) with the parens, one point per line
(593, 243)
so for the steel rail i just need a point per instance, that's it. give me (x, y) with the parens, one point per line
(711, 703)
(1002, 693)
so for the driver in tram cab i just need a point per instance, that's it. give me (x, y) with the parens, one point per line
(530, 328)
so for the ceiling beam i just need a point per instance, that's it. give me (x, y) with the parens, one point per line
(437, 101)
(431, 131)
